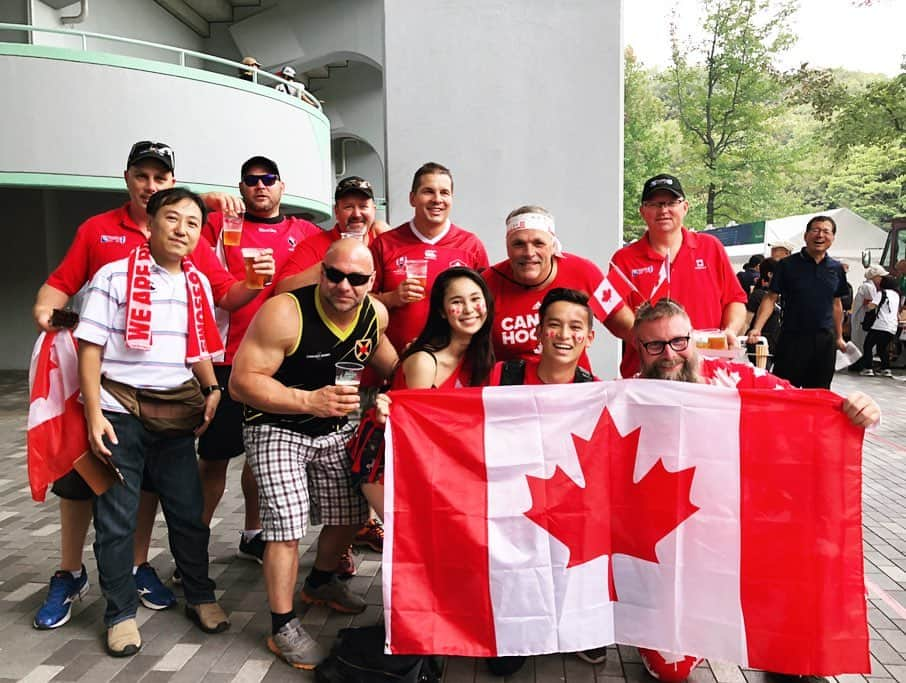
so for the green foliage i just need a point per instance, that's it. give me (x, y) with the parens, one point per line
(871, 180)
(726, 93)
(645, 142)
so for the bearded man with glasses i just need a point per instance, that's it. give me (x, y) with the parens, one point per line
(662, 332)
(268, 236)
(297, 428)
(670, 260)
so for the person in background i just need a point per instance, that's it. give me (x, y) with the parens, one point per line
(771, 329)
(887, 304)
(748, 276)
(861, 299)
(248, 74)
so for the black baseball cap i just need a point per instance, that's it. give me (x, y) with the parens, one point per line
(259, 161)
(353, 184)
(146, 149)
(662, 182)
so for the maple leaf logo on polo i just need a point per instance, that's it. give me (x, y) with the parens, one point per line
(622, 516)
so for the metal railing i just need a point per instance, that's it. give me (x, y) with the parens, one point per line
(181, 54)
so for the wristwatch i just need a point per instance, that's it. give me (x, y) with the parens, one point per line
(207, 391)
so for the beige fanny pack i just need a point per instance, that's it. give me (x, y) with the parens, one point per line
(174, 412)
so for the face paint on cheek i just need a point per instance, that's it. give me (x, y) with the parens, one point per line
(480, 308)
(579, 337)
(454, 310)
(550, 334)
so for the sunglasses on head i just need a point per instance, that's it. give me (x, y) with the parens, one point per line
(337, 276)
(267, 178)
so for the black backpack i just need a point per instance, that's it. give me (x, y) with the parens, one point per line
(358, 656)
(513, 372)
(872, 315)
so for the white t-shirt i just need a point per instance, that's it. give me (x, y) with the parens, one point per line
(887, 314)
(866, 291)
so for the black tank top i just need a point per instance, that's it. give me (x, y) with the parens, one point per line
(310, 365)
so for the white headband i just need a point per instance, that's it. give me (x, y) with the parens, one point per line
(535, 221)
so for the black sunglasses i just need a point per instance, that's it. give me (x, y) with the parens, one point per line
(267, 178)
(337, 276)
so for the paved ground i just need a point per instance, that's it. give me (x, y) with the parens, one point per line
(174, 650)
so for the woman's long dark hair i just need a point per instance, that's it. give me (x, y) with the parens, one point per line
(436, 333)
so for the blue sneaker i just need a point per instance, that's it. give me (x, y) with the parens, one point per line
(152, 593)
(63, 591)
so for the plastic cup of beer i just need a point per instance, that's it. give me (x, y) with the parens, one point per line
(232, 230)
(417, 269)
(348, 374)
(713, 340)
(253, 280)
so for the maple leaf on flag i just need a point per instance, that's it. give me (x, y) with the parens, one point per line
(611, 514)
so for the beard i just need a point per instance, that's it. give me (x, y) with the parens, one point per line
(688, 371)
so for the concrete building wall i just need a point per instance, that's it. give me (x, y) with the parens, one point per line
(143, 20)
(522, 99)
(353, 99)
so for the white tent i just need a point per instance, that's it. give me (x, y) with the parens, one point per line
(854, 234)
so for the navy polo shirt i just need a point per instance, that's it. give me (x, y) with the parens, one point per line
(808, 289)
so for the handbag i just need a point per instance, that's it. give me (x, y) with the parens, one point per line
(171, 412)
(871, 316)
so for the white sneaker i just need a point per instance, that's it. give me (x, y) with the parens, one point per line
(867, 373)
(886, 373)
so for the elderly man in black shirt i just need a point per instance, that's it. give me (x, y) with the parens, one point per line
(812, 284)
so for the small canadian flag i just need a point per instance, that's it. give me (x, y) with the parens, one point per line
(605, 297)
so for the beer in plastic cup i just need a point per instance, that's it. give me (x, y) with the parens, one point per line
(417, 269)
(253, 280)
(232, 230)
(348, 374)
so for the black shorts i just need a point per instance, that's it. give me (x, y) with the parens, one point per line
(223, 438)
(72, 486)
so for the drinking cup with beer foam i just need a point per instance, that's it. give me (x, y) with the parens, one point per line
(348, 374)
(253, 280)
(417, 269)
(232, 230)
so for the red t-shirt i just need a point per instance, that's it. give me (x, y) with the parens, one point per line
(516, 307)
(310, 252)
(701, 278)
(283, 235)
(112, 235)
(456, 247)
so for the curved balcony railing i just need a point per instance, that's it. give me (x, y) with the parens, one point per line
(180, 54)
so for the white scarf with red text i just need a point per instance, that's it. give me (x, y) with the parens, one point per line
(203, 339)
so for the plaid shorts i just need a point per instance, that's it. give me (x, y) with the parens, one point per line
(302, 480)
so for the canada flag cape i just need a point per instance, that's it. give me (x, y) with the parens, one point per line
(57, 434)
(686, 518)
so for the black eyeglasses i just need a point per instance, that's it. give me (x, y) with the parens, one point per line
(337, 276)
(656, 348)
(663, 205)
(267, 178)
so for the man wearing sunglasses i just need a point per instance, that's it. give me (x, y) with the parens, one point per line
(276, 237)
(665, 349)
(671, 261)
(297, 428)
(101, 239)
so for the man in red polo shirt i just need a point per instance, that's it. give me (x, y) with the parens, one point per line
(354, 210)
(263, 227)
(671, 261)
(428, 236)
(99, 240)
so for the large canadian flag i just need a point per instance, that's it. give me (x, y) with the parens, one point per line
(687, 518)
(57, 434)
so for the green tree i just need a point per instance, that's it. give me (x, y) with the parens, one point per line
(726, 94)
(645, 144)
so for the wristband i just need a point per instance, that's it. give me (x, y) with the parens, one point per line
(207, 391)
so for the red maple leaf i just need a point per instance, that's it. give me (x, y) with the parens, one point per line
(605, 295)
(612, 513)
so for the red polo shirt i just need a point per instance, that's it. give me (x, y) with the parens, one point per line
(310, 252)
(701, 279)
(112, 235)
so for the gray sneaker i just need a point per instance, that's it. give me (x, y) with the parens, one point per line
(294, 646)
(335, 594)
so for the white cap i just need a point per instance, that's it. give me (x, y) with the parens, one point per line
(288, 72)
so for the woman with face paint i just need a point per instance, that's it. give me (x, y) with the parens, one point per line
(453, 350)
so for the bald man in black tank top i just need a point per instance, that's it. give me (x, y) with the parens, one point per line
(296, 431)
